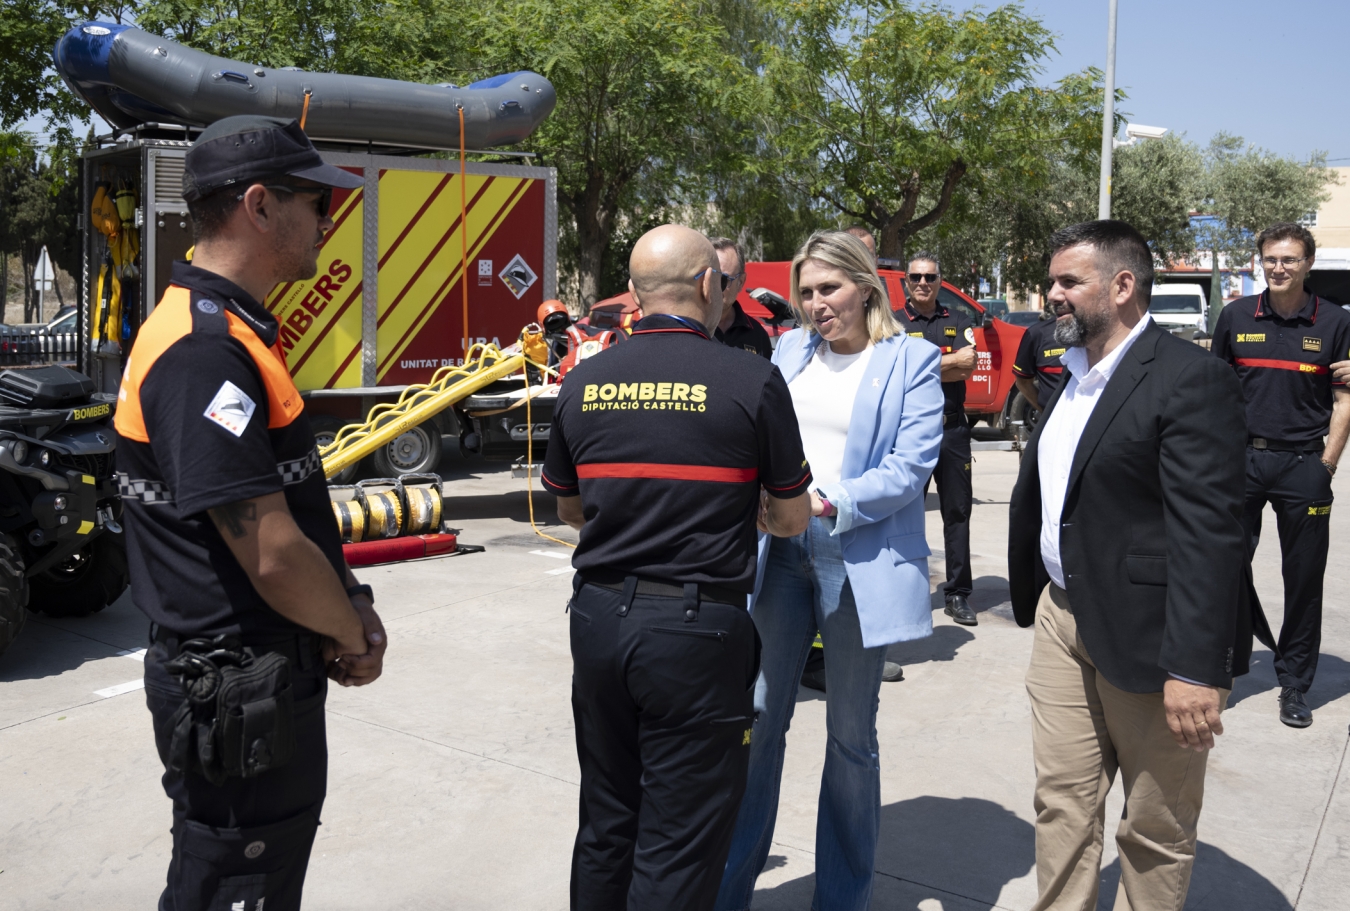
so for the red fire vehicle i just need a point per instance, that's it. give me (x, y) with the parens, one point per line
(991, 394)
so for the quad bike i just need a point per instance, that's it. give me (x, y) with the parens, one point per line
(62, 552)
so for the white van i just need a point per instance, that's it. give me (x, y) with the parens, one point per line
(1179, 306)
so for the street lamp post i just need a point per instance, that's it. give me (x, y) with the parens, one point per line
(1108, 118)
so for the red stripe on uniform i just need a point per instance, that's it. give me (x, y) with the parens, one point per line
(1052, 369)
(1296, 366)
(657, 471)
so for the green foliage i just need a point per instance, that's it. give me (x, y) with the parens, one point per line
(888, 109)
(646, 93)
(39, 199)
(361, 37)
(1250, 188)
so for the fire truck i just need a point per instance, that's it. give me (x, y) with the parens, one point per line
(387, 307)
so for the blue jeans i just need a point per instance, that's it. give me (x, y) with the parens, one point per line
(806, 589)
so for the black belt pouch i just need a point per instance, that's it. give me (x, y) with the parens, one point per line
(239, 718)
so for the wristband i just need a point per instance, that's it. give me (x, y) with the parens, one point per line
(1329, 467)
(829, 507)
(361, 590)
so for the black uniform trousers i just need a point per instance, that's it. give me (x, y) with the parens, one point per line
(955, 493)
(1298, 486)
(662, 695)
(245, 843)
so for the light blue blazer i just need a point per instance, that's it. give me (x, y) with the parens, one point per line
(893, 440)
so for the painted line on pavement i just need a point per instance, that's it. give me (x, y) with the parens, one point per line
(129, 686)
(555, 554)
(135, 654)
(558, 572)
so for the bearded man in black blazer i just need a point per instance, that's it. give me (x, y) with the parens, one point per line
(1126, 550)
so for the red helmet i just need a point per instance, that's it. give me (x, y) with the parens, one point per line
(553, 316)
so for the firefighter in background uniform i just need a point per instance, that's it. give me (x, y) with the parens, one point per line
(231, 538)
(923, 317)
(658, 454)
(737, 328)
(1037, 370)
(1283, 343)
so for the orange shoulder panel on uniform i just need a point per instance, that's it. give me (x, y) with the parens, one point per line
(169, 322)
(283, 399)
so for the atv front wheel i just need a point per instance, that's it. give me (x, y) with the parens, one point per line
(85, 582)
(13, 592)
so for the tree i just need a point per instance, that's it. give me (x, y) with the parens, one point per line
(889, 111)
(1156, 185)
(39, 197)
(645, 89)
(359, 37)
(1250, 188)
(29, 30)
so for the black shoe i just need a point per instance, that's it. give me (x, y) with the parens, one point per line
(1293, 710)
(960, 611)
(892, 672)
(814, 680)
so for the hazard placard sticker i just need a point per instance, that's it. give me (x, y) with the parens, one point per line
(231, 408)
(485, 273)
(518, 276)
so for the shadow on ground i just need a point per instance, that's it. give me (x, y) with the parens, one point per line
(1219, 883)
(943, 645)
(939, 848)
(988, 594)
(1332, 681)
(48, 647)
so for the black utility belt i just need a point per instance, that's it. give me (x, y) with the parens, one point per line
(237, 718)
(1266, 445)
(614, 581)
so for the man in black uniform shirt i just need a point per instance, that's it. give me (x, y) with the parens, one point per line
(923, 317)
(660, 454)
(1283, 343)
(229, 528)
(737, 328)
(1037, 370)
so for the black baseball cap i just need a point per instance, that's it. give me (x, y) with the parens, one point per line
(250, 147)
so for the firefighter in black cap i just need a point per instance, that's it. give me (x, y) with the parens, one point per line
(1284, 344)
(233, 550)
(661, 453)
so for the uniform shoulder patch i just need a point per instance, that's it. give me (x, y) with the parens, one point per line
(231, 408)
(1312, 344)
(970, 335)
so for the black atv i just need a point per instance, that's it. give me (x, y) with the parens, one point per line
(62, 551)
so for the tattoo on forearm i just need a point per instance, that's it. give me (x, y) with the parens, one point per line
(233, 516)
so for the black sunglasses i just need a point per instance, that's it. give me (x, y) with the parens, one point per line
(920, 277)
(726, 279)
(325, 194)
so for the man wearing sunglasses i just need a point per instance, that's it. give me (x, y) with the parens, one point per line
(1284, 344)
(923, 317)
(737, 328)
(232, 548)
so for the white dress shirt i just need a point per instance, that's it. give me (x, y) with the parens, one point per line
(1059, 438)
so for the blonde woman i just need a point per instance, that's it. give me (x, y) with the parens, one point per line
(869, 403)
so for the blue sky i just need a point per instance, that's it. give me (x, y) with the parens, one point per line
(1272, 72)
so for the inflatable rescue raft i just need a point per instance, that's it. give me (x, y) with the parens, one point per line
(130, 77)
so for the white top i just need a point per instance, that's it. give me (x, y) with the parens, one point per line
(822, 396)
(1059, 438)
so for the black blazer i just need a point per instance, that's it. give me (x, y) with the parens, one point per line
(1151, 542)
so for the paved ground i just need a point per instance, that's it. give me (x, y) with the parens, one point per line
(453, 780)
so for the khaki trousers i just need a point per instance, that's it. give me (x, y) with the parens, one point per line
(1083, 730)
